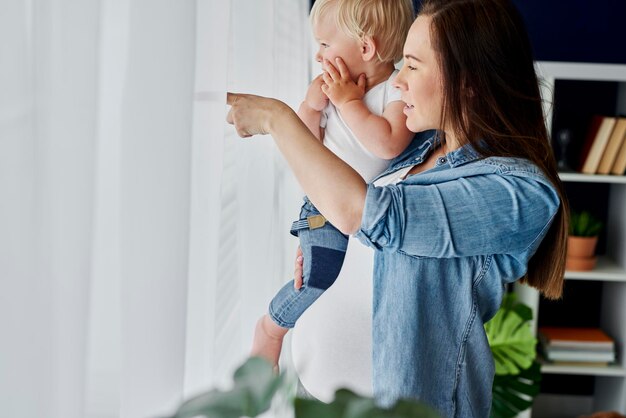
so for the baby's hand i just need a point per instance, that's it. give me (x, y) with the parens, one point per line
(338, 85)
(315, 97)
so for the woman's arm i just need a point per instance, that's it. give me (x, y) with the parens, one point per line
(478, 214)
(334, 187)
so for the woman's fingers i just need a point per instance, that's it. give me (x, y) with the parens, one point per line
(234, 116)
(251, 114)
(297, 273)
(231, 98)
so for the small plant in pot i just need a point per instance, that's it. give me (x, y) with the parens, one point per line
(581, 243)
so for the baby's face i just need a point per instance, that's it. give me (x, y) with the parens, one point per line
(333, 43)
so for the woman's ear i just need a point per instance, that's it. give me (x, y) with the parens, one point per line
(368, 48)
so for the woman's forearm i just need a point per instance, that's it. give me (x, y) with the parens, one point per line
(334, 187)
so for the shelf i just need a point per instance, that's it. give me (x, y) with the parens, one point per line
(610, 370)
(607, 195)
(606, 270)
(592, 178)
(582, 71)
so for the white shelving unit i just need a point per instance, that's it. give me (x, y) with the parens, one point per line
(610, 382)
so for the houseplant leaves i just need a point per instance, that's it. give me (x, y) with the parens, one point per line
(513, 394)
(515, 385)
(510, 337)
(254, 387)
(513, 346)
(347, 404)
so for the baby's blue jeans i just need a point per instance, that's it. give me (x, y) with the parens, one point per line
(323, 250)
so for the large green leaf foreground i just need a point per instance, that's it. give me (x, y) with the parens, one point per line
(513, 346)
(255, 384)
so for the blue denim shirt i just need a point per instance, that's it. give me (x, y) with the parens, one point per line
(448, 240)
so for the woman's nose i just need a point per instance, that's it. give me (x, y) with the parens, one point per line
(318, 56)
(399, 82)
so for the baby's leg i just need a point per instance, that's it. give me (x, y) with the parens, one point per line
(268, 340)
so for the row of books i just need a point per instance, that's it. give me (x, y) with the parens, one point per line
(604, 149)
(577, 346)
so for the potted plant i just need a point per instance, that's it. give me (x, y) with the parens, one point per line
(256, 386)
(581, 243)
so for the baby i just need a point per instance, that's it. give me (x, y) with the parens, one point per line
(354, 109)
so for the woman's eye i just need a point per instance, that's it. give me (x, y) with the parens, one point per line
(324, 45)
(411, 68)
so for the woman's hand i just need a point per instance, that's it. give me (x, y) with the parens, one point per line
(253, 115)
(339, 86)
(297, 272)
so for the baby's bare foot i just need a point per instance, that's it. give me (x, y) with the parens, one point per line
(268, 340)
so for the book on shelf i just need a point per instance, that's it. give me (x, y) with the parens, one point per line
(594, 125)
(613, 146)
(584, 356)
(576, 338)
(577, 345)
(619, 165)
(595, 143)
(580, 363)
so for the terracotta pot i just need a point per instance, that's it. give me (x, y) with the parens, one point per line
(580, 263)
(581, 246)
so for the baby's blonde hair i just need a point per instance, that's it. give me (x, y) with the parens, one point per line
(385, 21)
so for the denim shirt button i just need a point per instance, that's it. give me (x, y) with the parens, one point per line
(442, 160)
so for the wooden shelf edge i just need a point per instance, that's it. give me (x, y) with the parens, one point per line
(592, 178)
(607, 270)
(581, 71)
(616, 370)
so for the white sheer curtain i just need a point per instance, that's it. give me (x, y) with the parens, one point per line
(139, 239)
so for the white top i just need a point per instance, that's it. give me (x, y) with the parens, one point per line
(332, 341)
(340, 139)
(393, 178)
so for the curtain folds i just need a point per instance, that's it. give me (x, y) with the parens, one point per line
(139, 238)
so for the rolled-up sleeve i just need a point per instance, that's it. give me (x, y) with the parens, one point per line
(485, 214)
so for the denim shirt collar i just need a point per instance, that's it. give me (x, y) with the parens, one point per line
(422, 145)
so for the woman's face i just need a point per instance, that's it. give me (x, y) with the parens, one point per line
(420, 78)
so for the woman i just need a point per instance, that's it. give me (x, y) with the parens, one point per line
(465, 210)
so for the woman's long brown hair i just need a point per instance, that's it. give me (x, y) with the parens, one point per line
(492, 100)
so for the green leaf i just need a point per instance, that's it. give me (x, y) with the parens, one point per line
(513, 394)
(347, 404)
(258, 379)
(511, 339)
(254, 387)
(407, 408)
(312, 408)
(584, 224)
